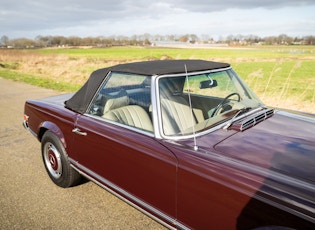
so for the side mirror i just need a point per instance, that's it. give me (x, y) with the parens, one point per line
(208, 84)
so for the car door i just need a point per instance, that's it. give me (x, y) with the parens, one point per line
(132, 163)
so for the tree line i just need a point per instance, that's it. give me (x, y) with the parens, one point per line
(148, 39)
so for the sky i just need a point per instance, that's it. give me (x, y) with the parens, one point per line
(214, 18)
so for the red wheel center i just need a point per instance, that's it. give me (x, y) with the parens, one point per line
(53, 160)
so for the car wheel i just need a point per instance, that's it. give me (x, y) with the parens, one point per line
(57, 163)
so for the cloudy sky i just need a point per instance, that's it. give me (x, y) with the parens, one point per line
(215, 18)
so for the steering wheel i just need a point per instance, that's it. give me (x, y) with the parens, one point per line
(224, 101)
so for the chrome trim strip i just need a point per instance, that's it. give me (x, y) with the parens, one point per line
(147, 133)
(155, 108)
(25, 125)
(296, 116)
(132, 200)
(195, 73)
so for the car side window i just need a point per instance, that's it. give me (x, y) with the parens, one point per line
(125, 99)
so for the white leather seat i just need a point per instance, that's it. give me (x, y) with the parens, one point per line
(176, 115)
(132, 115)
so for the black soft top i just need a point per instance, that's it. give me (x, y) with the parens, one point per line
(81, 99)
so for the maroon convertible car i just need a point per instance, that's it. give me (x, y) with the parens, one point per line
(184, 141)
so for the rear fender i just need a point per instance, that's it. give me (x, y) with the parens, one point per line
(47, 125)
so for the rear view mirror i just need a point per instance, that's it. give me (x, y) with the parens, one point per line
(208, 84)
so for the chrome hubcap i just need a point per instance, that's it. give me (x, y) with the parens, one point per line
(52, 159)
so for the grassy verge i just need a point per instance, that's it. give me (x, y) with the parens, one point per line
(38, 81)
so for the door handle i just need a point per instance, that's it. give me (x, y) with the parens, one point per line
(78, 131)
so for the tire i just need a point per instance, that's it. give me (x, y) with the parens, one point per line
(57, 163)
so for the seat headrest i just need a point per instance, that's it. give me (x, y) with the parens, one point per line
(169, 86)
(114, 103)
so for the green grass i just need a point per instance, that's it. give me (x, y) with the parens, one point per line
(142, 53)
(38, 81)
(279, 72)
(291, 78)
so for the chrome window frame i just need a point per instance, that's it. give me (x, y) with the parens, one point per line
(157, 111)
(101, 119)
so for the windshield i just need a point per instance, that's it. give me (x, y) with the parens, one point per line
(214, 98)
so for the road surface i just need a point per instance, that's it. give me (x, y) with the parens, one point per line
(29, 200)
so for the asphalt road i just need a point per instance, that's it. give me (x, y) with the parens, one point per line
(29, 200)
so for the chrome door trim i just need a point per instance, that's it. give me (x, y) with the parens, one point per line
(127, 197)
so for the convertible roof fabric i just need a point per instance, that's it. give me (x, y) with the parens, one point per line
(81, 99)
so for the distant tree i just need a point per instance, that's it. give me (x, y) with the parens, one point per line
(271, 40)
(22, 43)
(4, 40)
(45, 40)
(284, 39)
(184, 38)
(230, 39)
(40, 42)
(170, 37)
(252, 39)
(297, 40)
(146, 39)
(58, 41)
(309, 40)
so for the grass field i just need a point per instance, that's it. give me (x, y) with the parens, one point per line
(282, 76)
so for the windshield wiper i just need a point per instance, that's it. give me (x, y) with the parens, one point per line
(238, 113)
